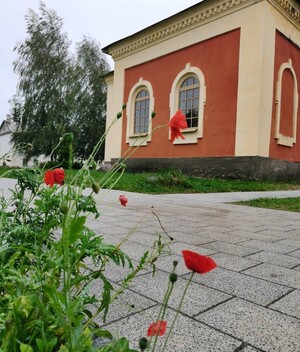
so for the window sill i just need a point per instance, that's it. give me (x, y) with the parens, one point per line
(138, 135)
(189, 130)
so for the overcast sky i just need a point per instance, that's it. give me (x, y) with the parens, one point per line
(104, 20)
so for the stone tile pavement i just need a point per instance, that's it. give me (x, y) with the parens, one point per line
(250, 303)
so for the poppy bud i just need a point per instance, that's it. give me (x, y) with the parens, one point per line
(173, 277)
(119, 115)
(175, 263)
(123, 106)
(95, 187)
(143, 343)
(63, 208)
(69, 137)
(153, 114)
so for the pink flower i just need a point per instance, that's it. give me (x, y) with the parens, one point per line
(197, 262)
(158, 328)
(123, 200)
(177, 122)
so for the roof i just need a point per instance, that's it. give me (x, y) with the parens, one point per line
(196, 15)
(168, 19)
(7, 126)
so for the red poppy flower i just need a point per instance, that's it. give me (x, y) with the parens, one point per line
(198, 263)
(177, 122)
(49, 178)
(59, 176)
(158, 328)
(123, 199)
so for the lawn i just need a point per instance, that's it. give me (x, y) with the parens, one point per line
(175, 182)
(288, 204)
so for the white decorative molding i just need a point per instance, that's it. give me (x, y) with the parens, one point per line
(109, 78)
(140, 139)
(201, 15)
(287, 141)
(287, 8)
(191, 135)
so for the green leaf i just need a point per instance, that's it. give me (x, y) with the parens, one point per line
(25, 348)
(76, 228)
(40, 344)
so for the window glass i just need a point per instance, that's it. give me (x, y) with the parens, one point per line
(189, 100)
(141, 112)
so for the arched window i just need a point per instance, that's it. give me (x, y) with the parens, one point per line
(141, 112)
(189, 100)
(286, 105)
(139, 109)
(188, 93)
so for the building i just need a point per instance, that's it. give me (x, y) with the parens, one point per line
(8, 156)
(233, 67)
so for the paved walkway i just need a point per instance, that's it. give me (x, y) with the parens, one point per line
(250, 303)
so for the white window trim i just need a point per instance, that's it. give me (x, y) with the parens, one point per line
(282, 139)
(192, 134)
(143, 138)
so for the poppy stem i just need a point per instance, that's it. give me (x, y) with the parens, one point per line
(178, 310)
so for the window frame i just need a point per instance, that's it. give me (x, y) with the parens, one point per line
(282, 139)
(140, 139)
(191, 134)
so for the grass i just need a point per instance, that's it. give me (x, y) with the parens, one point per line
(173, 181)
(287, 204)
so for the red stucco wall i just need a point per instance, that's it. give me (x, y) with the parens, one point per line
(218, 59)
(285, 50)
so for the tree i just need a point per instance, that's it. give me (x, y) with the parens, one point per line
(91, 97)
(57, 91)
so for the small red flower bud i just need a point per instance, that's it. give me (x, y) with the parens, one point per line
(123, 200)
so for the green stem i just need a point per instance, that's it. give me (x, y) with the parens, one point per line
(177, 311)
(162, 311)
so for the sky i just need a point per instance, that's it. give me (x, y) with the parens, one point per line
(104, 20)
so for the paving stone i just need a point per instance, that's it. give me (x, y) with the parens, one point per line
(275, 258)
(261, 327)
(274, 273)
(243, 286)
(198, 298)
(294, 244)
(126, 304)
(225, 237)
(233, 262)
(295, 253)
(188, 335)
(289, 304)
(270, 247)
(249, 349)
(177, 247)
(230, 248)
(253, 235)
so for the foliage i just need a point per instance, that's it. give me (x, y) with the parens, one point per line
(172, 181)
(48, 260)
(58, 91)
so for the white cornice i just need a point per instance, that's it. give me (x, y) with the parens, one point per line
(187, 20)
(289, 9)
